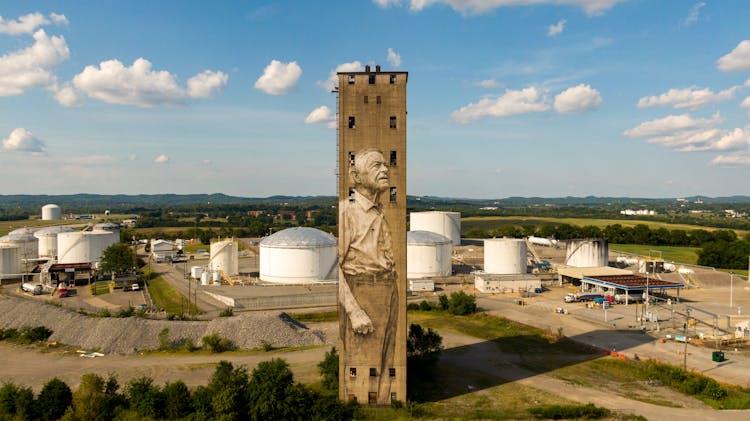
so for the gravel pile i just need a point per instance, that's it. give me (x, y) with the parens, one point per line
(133, 334)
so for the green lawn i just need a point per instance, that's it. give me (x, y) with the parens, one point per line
(168, 298)
(101, 287)
(687, 255)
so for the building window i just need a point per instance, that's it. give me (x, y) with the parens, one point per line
(351, 199)
(353, 371)
(351, 122)
(392, 372)
(393, 121)
(351, 158)
(371, 79)
(393, 159)
(393, 397)
(393, 79)
(373, 372)
(393, 194)
(351, 79)
(366, 99)
(377, 99)
(372, 397)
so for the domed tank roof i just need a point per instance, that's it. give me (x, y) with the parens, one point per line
(21, 232)
(106, 226)
(50, 206)
(299, 237)
(426, 238)
(52, 230)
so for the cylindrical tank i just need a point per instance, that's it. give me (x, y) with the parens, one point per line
(587, 253)
(9, 262)
(28, 245)
(51, 212)
(541, 241)
(48, 240)
(216, 278)
(108, 226)
(205, 278)
(427, 254)
(224, 257)
(298, 255)
(196, 272)
(83, 246)
(505, 256)
(447, 224)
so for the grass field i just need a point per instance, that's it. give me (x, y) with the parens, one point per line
(687, 255)
(168, 298)
(492, 222)
(101, 287)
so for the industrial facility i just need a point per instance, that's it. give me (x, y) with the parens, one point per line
(447, 224)
(298, 255)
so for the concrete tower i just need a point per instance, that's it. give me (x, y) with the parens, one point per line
(372, 235)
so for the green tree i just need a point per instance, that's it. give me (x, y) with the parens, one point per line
(16, 402)
(329, 370)
(177, 402)
(117, 258)
(54, 399)
(89, 399)
(145, 398)
(461, 304)
(229, 387)
(269, 388)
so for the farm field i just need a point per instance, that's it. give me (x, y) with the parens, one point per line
(687, 255)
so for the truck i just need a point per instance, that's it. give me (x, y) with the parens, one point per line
(31, 288)
(572, 298)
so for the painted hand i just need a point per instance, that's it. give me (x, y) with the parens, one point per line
(361, 322)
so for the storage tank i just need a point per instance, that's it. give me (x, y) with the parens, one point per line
(224, 257)
(48, 240)
(541, 241)
(28, 245)
(587, 253)
(505, 256)
(447, 224)
(108, 226)
(298, 255)
(83, 246)
(205, 278)
(51, 212)
(196, 272)
(9, 262)
(427, 254)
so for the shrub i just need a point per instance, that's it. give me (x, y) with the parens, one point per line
(556, 412)
(126, 312)
(425, 305)
(329, 370)
(412, 306)
(227, 312)
(54, 399)
(216, 344)
(164, 342)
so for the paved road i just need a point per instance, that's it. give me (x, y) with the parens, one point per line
(173, 274)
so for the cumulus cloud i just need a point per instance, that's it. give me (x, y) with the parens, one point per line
(394, 58)
(672, 124)
(140, 85)
(279, 78)
(577, 99)
(28, 23)
(689, 98)
(319, 115)
(32, 66)
(161, 159)
(737, 59)
(58, 19)
(471, 7)
(556, 29)
(67, 96)
(333, 81)
(693, 15)
(22, 140)
(740, 158)
(488, 84)
(512, 102)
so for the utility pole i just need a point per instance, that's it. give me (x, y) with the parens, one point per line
(731, 289)
(684, 359)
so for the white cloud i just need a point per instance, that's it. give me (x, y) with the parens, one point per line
(488, 84)
(689, 98)
(32, 66)
(333, 81)
(745, 103)
(132, 157)
(737, 59)
(556, 29)
(91, 160)
(672, 124)
(394, 58)
(22, 140)
(203, 85)
(58, 19)
(279, 78)
(67, 96)
(161, 159)
(577, 99)
(26, 24)
(694, 13)
(319, 115)
(739, 158)
(471, 7)
(140, 85)
(512, 102)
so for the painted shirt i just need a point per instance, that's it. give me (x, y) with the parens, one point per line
(365, 243)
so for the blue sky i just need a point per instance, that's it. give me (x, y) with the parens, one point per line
(505, 97)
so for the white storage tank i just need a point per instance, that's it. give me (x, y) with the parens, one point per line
(51, 212)
(427, 254)
(224, 257)
(28, 245)
(587, 253)
(9, 262)
(505, 256)
(447, 224)
(48, 240)
(205, 278)
(298, 255)
(108, 226)
(196, 272)
(83, 246)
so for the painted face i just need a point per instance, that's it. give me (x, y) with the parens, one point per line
(374, 173)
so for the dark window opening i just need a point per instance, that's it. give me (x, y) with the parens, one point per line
(371, 79)
(351, 122)
(377, 99)
(351, 158)
(366, 99)
(351, 79)
(393, 396)
(393, 121)
(373, 372)
(372, 397)
(351, 199)
(353, 371)
(393, 159)
(392, 372)
(393, 194)
(393, 79)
